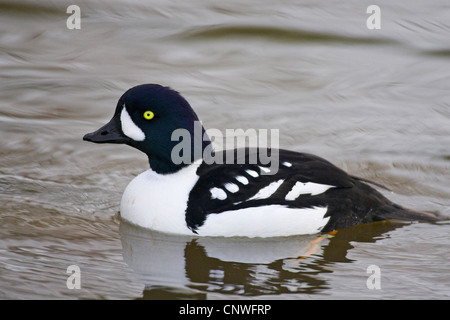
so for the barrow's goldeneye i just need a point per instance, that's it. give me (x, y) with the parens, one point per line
(305, 195)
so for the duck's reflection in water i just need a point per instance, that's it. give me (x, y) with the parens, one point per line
(180, 267)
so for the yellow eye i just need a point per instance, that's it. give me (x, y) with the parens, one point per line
(149, 115)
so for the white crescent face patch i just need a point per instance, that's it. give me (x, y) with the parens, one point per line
(129, 128)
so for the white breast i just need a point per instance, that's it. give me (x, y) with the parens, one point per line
(158, 202)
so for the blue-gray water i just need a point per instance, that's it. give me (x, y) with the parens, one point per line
(374, 102)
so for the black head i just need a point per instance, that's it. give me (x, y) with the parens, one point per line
(154, 119)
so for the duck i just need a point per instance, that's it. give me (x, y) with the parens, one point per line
(192, 189)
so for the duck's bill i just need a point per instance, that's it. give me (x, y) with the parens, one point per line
(109, 133)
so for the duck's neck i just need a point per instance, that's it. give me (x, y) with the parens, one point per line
(180, 154)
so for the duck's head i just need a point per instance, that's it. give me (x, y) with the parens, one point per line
(145, 118)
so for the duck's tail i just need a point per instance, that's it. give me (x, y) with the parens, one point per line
(393, 211)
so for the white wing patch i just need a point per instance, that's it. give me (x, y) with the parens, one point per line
(253, 173)
(233, 188)
(242, 180)
(267, 191)
(129, 128)
(306, 188)
(217, 193)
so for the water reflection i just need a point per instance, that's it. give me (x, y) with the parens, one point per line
(180, 267)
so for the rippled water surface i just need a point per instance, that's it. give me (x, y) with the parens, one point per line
(374, 102)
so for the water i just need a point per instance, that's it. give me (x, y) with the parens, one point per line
(374, 102)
